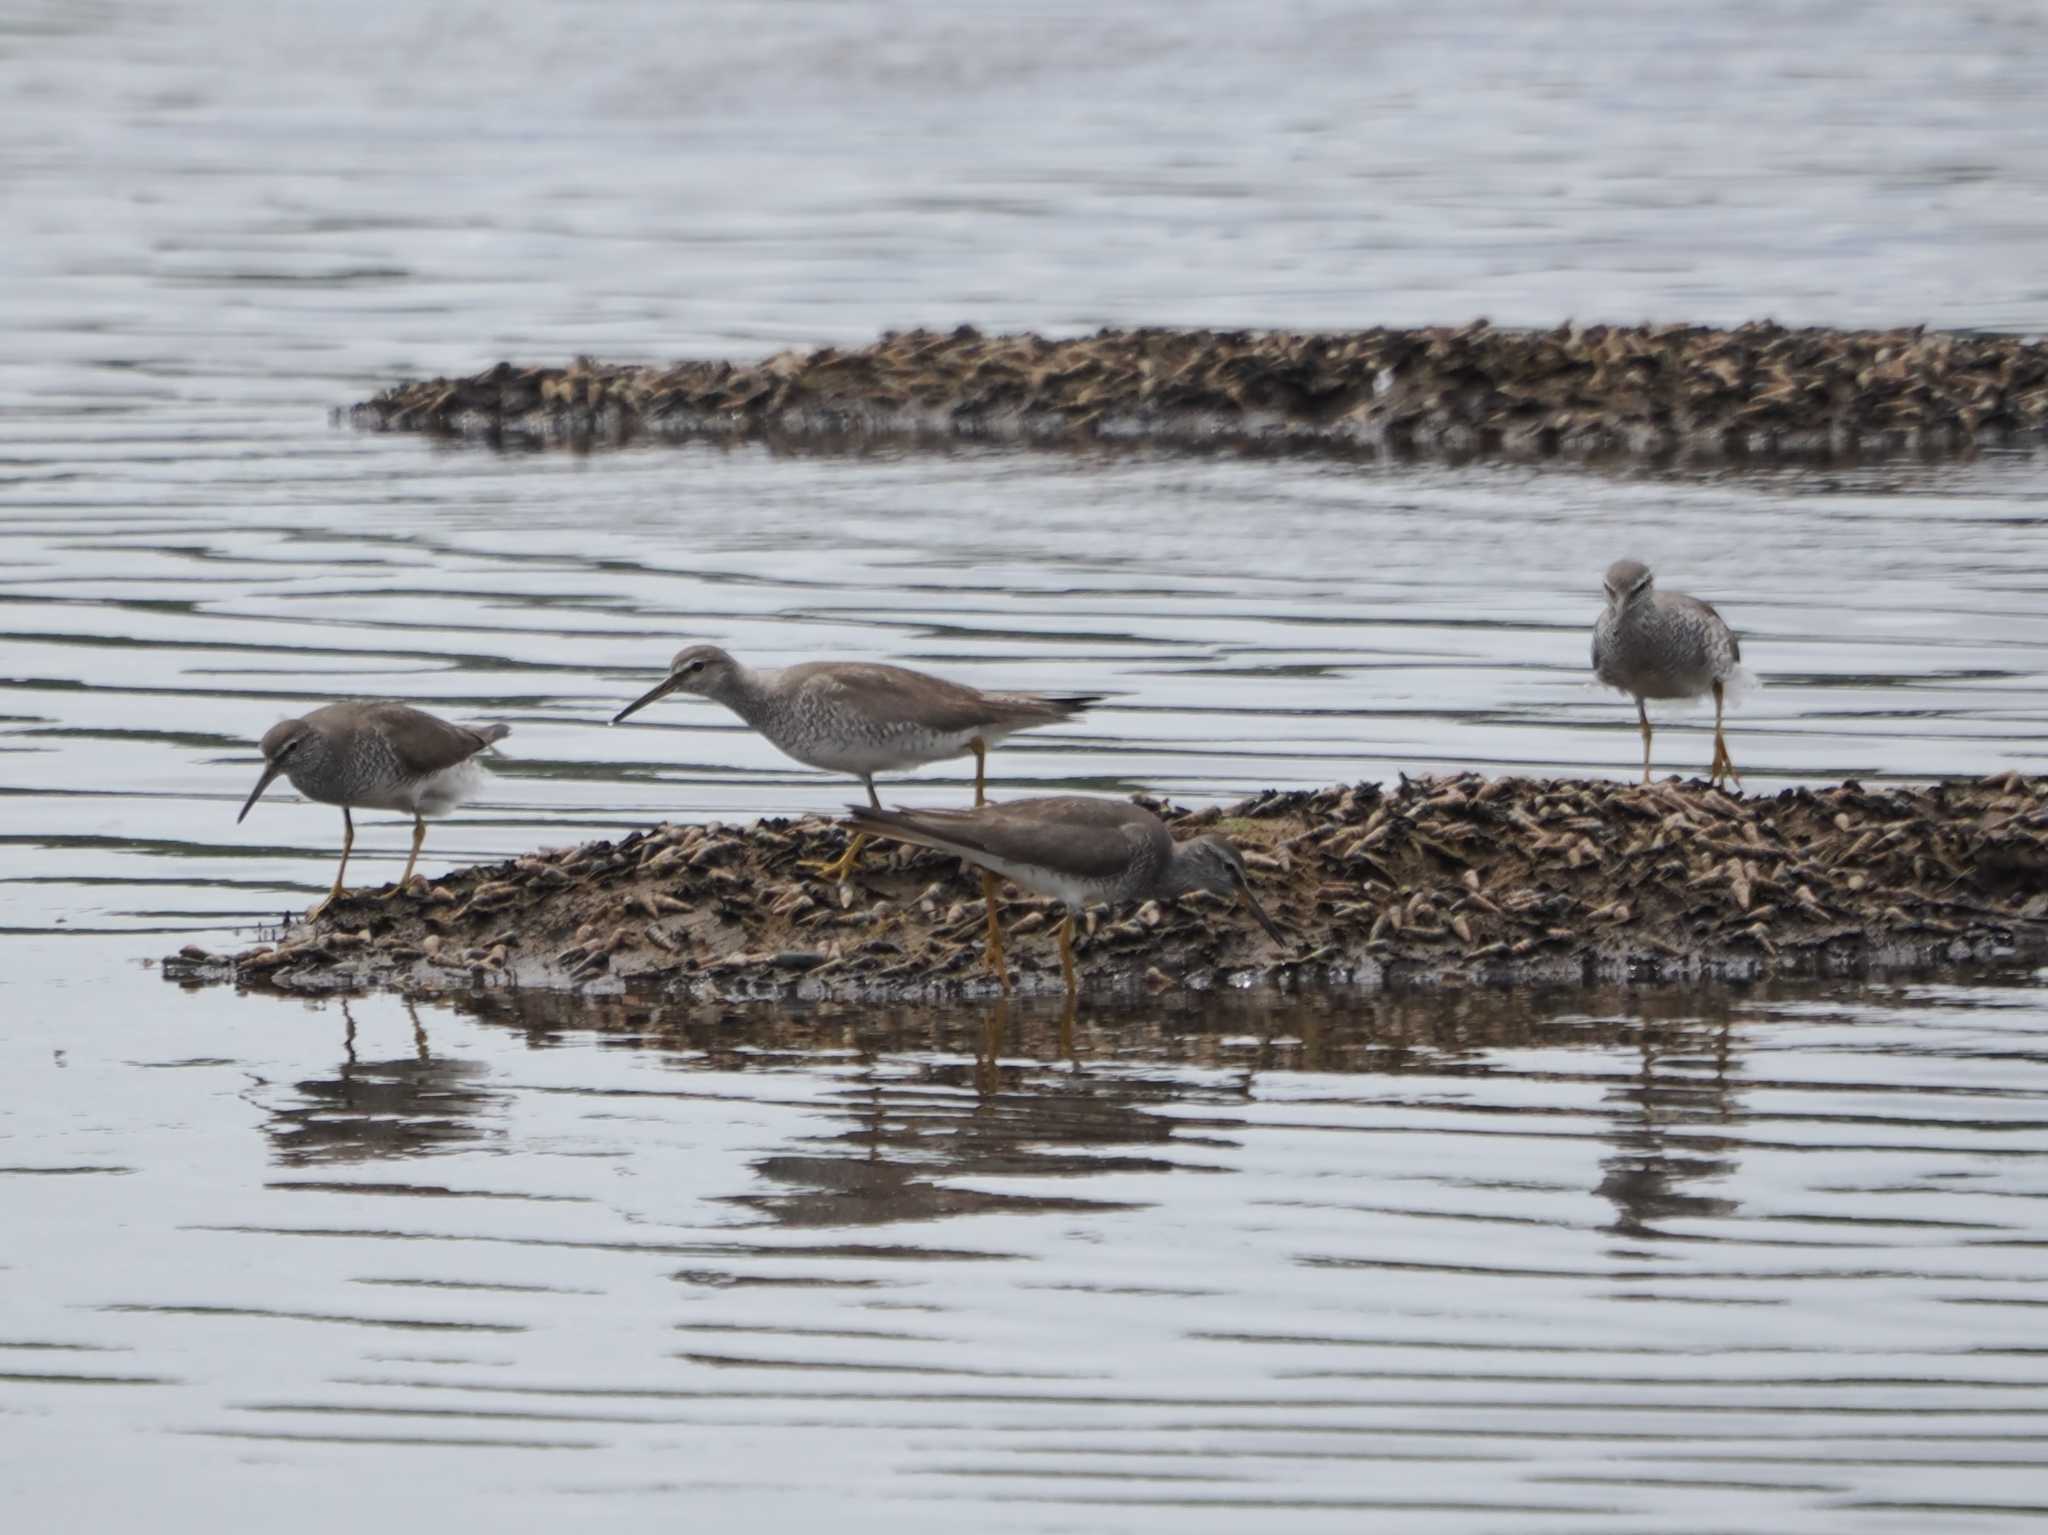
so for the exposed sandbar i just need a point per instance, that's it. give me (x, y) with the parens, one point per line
(1651, 391)
(1437, 882)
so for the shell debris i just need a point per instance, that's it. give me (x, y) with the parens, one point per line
(1552, 881)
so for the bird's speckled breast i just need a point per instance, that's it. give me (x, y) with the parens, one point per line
(822, 733)
(1662, 650)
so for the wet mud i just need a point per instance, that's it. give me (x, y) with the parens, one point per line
(1435, 882)
(1760, 390)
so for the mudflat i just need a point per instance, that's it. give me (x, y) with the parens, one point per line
(1449, 881)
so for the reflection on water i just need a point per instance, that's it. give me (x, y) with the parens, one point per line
(1490, 1254)
(410, 1106)
(1683, 1082)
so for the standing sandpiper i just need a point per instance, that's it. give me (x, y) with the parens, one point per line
(860, 718)
(375, 756)
(1656, 644)
(1079, 850)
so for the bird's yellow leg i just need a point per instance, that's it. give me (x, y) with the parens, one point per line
(841, 866)
(980, 749)
(1067, 955)
(838, 868)
(419, 835)
(1724, 765)
(348, 840)
(1643, 715)
(995, 933)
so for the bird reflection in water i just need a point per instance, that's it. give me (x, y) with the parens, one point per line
(936, 1102)
(406, 1106)
(917, 1131)
(995, 1033)
(1680, 1084)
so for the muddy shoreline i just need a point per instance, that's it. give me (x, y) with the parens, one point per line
(1639, 392)
(1435, 882)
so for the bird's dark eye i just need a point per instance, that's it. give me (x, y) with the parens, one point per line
(694, 666)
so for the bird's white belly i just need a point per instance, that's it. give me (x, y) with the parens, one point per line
(1666, 685)
(1076, 894)
(864, 757)
(434, 795)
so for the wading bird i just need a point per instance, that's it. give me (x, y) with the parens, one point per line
(375, 756)
(860, 718)
(1654, 644)
(1075, 849)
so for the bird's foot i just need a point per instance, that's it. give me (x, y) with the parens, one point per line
(415, 886)
(1723, 769)
(836, 869)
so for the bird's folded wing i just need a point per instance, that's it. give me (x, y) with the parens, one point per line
(1080, 846)
(1709, 612)
(894, 695)
(424, 744)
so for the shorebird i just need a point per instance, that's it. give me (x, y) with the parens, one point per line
(375, 756)
(1075, 849)
(1656, 644)
(860, 718)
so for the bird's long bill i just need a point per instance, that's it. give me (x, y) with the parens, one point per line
(270, 771)
(1244, 894)
(661, 689)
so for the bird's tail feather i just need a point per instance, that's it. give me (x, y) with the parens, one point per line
(1053, 707)
(1739, 684)
(901, 826)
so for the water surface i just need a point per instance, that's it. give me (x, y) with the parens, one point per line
(1706, 1260)
(1593, 1260)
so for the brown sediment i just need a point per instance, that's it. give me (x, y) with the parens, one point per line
(1438, 882)
(1582, 391)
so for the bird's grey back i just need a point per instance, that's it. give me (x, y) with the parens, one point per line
(825, 712)
(415, 742)
(891, 695)
(1111, 844)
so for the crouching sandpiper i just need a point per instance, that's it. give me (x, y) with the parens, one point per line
(1076, 849)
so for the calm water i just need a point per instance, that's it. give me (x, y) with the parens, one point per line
(1702, 1261)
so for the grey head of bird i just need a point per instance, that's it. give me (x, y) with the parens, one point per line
(1210, 863)
(704, 670)
(286, 744)
(1627, 581)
